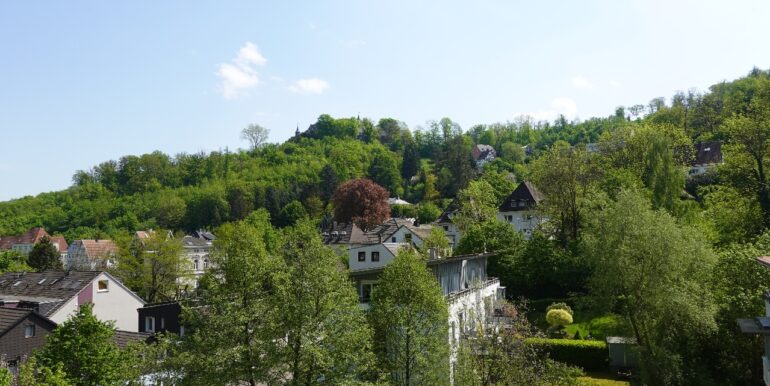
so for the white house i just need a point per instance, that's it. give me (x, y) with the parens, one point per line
(197, 251)
(57, 295)
(445, 223)
(377, 247)
(520, 209)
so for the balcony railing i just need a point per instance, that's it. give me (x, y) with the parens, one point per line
(477, 286)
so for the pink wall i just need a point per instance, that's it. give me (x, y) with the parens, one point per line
(86, 295)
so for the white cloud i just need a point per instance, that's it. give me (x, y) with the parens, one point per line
(559, 106)
(309, 86)
(240, 74)
(614, 83)
(581, 82)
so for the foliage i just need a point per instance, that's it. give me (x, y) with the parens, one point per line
(427, 212)
(361, 201)
(84, 349)
(409, 317)
(655, 272)
(327, 334)
(590, 355)
(499, 238)
(12, 261)
(438, 241)
(233, 337)
(31, 373)
(560, 306)
(477, 205)
(44, 256)
(152, 267)
(496, 354)
(558, 317)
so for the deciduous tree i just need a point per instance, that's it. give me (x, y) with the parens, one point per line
(255, 134)
(361, 201)
(409, 315)
(44, 255)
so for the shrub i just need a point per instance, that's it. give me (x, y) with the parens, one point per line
(558, 317)
(608, 325)
(588, 354)
(560, 306)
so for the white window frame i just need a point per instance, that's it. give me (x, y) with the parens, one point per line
(149, 324)
(106, 285)
(29, 331)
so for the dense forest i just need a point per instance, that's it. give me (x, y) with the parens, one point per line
(630, 234)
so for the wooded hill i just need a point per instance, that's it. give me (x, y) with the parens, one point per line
(424, 165)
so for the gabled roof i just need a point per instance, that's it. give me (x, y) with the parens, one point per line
(445, 215)
(96, 249)
(383, 232)
(32, 236)
(50, 289)
(10, 317)
(707, 153)
(525, 193)
(337, 233)
(123, 338)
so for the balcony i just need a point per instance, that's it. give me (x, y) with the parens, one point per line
(455, 296)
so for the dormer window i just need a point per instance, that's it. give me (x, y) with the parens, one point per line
(393, 239)
(375, 256)
(408, 237)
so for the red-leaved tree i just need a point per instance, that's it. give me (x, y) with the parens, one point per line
(361, 201)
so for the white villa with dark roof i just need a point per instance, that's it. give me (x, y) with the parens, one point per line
(520, 209)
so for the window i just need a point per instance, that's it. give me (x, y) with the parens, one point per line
(29, 331)
(205, 263)
(195, 265)
(103, 286)
(375, 256)
(149, 324)
(366, 292)
(393, 239)
(361, 256)
(162, 323)
(408, 237)
(446, 228)
(508, 218)
(181, 330)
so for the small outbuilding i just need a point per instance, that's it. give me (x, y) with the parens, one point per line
(622, 351)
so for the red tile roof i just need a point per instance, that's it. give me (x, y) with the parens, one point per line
(32, 236)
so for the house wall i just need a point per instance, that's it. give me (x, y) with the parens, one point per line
(400, 237)
(451, 231)
(13, 344)
(116, 304)
(524, 221)
(166, 317)
(467, 309)
(385, 256)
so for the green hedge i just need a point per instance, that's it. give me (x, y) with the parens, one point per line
(591, 355)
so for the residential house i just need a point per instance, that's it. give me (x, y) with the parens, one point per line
(707, 156)
(761, 326)
(161, 317)
(25, 242)
(520, 209)
(22, 331)
(57, 295)
(445, 222)
(378, 246)
(89, 255)
(483, 154)
(197, 251)
(470, 294)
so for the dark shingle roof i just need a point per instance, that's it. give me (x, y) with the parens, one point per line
(337, 233)
(123, 338)
(707, 153)
(46, 287)
(10, 317)
(451, 208)
(527, 193)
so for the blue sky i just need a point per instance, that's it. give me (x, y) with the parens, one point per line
(82, 82)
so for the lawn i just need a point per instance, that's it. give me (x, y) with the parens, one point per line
(601, 379)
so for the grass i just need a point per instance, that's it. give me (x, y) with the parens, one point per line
(601, 379)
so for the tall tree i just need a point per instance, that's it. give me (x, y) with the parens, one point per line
(409, 316)
(255, 134)
(153, 267)
(663, 176)
(385, 172)
(478, 204)
(751, 133)
(455, 166)
(235, 337)
(84, 347)
(44, 255)
(361, 201)
(411, 164)
(329, 182)
(327, 336)
(565, 176)
(656, 273)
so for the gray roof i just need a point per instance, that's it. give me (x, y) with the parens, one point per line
(123, 338)
(52, 288)
(10, 317)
